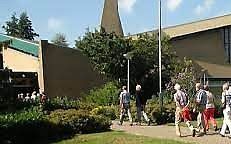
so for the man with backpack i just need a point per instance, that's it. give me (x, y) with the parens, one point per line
(182, 110)
(125, 105)
(201, 101)
(226, 102)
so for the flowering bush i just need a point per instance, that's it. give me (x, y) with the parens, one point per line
(185, 76)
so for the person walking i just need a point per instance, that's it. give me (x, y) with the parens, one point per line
(125, 105)
(226, 102)
(182, 110)
(210, 109)
(201, 101)
(225, 87)
(140, 105)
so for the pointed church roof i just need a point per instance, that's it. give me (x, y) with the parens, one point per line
(110, 18)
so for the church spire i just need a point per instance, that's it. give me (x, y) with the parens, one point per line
(110, 19)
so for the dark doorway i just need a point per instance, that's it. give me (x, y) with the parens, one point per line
(1, 60)
(25, 82)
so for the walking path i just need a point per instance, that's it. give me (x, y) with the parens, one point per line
(168, 132)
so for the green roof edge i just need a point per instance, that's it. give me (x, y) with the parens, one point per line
(21, 45)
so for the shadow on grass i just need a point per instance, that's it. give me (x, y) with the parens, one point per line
(41, 132)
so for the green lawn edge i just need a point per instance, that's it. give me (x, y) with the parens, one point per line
(117, 137)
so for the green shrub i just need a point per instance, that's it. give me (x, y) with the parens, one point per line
(18, 105)
(79, 121)
(108, 111)
(24, 126)
(158, 116)
(218, 107)
(61, 103)
(33, 126)
(107, 95)
(31, 114)
(65, 104)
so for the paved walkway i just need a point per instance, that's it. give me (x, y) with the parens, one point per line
(168, 132)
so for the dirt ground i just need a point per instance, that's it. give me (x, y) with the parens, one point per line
(168, 132)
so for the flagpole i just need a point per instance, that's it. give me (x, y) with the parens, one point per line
(160, 54)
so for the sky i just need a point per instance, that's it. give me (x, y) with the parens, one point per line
(74, 17)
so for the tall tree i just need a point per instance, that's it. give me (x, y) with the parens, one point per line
(11, 26)
(106, 50)
(21, 28)
(25, 27)
(60, 39)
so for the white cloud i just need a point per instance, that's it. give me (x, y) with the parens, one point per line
(127, 5)
(173, 4)
(54, 24)
(198, 9)
(205, 6)
(208, 3)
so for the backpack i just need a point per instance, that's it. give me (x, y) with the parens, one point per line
(125, 97)
(227, 99)
(201, 97)
(184, 98)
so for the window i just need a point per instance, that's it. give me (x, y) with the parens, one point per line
(227, 43)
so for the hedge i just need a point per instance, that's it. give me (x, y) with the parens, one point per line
(33, 126)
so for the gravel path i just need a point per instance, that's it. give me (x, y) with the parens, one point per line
(168, 132)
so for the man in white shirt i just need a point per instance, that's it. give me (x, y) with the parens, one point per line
(226, 101)
(182, 110)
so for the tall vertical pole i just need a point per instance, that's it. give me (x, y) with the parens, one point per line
(160, 54)
(128, 75)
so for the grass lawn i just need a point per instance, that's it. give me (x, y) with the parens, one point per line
(219, 122)
(116, 137)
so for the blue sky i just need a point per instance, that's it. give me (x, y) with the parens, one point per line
(73, 17)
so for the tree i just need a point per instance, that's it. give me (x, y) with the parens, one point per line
(25, 27)
(11, 26)
(105, 51)
(60, 39)
(21, 28)
(145, 60)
